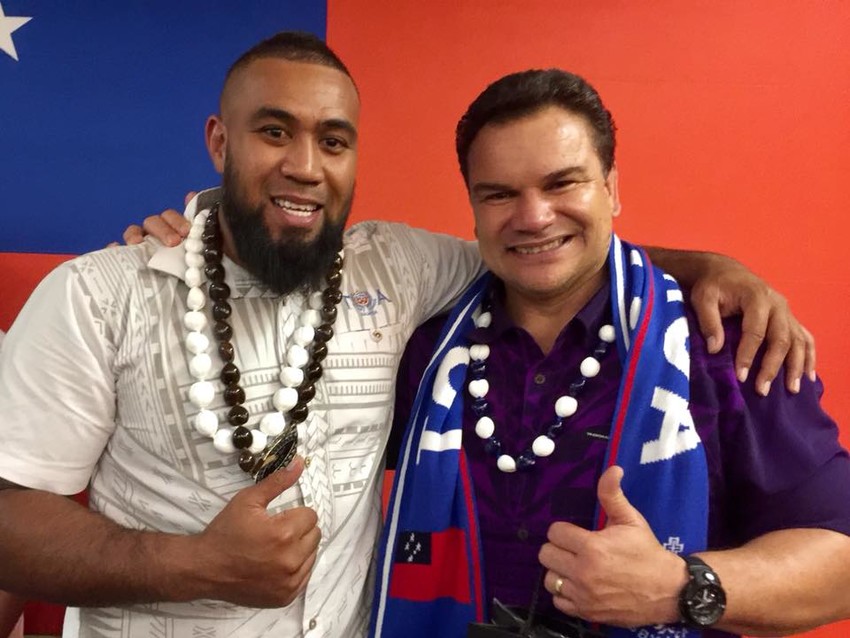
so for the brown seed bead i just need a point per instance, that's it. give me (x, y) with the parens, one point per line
(214, 272)
(222, 331)
(320, 351)
(306, 393)
(337, 262)
(219, 291)
(246, 461)
(329, 314)
(313, 371)
(226, 352)
(212, 255)
(234, 395)
(210, 234)
(221, 310)
(237, 415)
(334, 279)
(242, 438)
(298, 413)
(331, 296)
(324, 333)
(230, 374)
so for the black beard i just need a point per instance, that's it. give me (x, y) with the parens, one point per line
(290, 264)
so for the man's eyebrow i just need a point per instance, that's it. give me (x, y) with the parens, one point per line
(282, 115)
(482, 188)
(569, 171)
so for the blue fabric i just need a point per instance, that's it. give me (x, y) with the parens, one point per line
(653, 438)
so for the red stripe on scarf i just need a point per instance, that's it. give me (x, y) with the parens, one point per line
(630, 377)
(475, 550)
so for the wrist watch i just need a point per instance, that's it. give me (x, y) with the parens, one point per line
(702, 601)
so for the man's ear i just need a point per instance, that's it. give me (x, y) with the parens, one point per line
(215, 134)
(612, 187)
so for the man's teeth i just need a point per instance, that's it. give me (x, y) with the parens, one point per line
(533, 250)
(301, 210)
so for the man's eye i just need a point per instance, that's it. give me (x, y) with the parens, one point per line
(274, 132)
(496, 197)
(335, 144)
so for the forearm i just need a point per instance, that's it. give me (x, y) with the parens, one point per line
(52, 549)
(11, 608)
(687, 266)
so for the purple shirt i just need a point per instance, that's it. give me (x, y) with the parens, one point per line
(773, 463)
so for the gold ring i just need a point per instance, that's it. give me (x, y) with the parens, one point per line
(559, 582)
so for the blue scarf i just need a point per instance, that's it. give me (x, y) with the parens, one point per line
(429, 571)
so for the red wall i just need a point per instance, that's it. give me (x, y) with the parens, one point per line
(734, 121)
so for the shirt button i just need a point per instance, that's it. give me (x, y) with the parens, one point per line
(539, 379)
(522, 534)
(377, 335)
(307, 463)
(312, 624)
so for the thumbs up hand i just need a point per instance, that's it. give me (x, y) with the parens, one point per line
(254, 558)
(619, 575)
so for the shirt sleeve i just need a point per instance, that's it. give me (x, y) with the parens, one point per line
(57, 390)
(776, 461)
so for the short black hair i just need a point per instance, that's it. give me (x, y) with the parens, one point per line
(518, 95)
(295, 46)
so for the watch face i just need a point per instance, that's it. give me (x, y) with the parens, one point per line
(705, 604)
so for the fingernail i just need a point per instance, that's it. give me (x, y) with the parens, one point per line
(764, 389)
(743, 373)
(712, 343)
(812, 376)
(795, 386)
(173, 239)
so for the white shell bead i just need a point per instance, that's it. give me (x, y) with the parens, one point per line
(200, 365)
(272, 424)
(479, 388)
(297, 356)
(312, 318)
(201, 394)
(589, 367)
(485, 427)
(566, 406)
(479, 352)
(484, 320)
(285, 399)
(258, 442)
(607, 334)
(543, 446)
(193, 277)
(196, 231)
(304, 335)
(193, 245)
(206, 422)
(194, 260)
(196, 298)
(194, 320)
(316, 302)
(223, 441)
(291, 377)
(197, 342)
(506, 463)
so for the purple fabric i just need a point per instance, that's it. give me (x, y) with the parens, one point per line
(773, 462)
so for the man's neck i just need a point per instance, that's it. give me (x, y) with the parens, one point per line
(544, 317)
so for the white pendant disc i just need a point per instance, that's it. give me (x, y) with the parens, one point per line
(479, 352)
(607, 334)
(590, 367)
(223, 441)
(485, 427)
(566, 406)
(543, 446)
(285, 399)
(479, 388)
(206, 423)
(506, 463)
(201, 394)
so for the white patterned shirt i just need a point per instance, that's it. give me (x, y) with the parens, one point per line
(96, 373)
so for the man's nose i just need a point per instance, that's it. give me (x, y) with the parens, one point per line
(533, 213)
(302, 161)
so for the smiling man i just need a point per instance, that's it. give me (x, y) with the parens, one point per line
(571, 429)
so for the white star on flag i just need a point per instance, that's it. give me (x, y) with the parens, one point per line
(7, 27)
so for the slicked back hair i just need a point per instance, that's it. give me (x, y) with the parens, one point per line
(518, 95)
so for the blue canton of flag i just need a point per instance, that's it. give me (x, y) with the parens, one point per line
(102, 108)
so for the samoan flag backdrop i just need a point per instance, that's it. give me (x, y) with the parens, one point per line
(102, 112)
